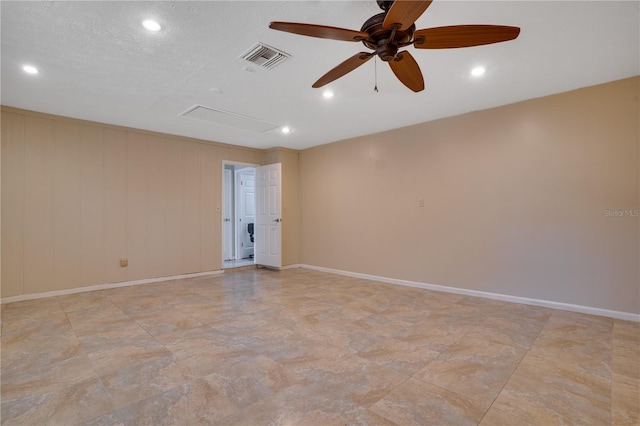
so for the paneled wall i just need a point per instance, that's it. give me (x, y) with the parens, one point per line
(78, 196)
(511, 200)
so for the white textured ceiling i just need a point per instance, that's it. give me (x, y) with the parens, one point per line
(98, 63)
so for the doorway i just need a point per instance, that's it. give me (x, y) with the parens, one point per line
(251, 219)
(239, 212)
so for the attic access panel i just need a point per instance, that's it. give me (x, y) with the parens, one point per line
(227, 118)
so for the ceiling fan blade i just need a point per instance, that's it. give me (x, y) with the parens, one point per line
(463, 36)
(345, 67)
(320, 31)
(407, 70)
(405, 13)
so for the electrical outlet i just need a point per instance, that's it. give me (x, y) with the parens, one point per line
(124, 262)
(421, 202)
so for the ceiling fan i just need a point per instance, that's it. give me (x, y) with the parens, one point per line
(388, 32)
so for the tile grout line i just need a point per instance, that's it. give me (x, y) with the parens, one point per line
(355, 333)
(93, 367)
(117, 409)
(412, 376)
(613, 342)
(516, 368)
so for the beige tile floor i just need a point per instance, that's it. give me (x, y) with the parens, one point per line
(300, 347)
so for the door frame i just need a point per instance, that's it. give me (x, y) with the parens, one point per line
(227, 219)
(222, 205)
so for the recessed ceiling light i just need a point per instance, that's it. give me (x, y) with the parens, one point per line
(477, 71)
(151, 25)
(327, 94)
(286, 129)
(30, 69)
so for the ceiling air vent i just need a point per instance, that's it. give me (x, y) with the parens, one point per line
(265, 56)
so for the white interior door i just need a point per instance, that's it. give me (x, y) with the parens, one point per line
(228, 216)
(268, 215)
(246, 210)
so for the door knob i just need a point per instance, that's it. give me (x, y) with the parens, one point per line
(278, 220)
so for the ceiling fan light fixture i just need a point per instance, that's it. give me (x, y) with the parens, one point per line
(285, 129)
(478, 71)
(328, 94)
(151, 25)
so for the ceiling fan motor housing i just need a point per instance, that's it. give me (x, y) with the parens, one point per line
(380, 39)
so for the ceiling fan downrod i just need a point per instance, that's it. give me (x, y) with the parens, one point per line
(384, 4)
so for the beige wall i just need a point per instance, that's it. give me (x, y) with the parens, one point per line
(78, 196)
(514, 200)
(290, 202)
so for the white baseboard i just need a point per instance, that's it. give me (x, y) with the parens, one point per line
(107, 286)
(279, 268)
(292, 266)
(627, 316)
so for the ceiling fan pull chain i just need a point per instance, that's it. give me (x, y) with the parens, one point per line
(375, 73)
